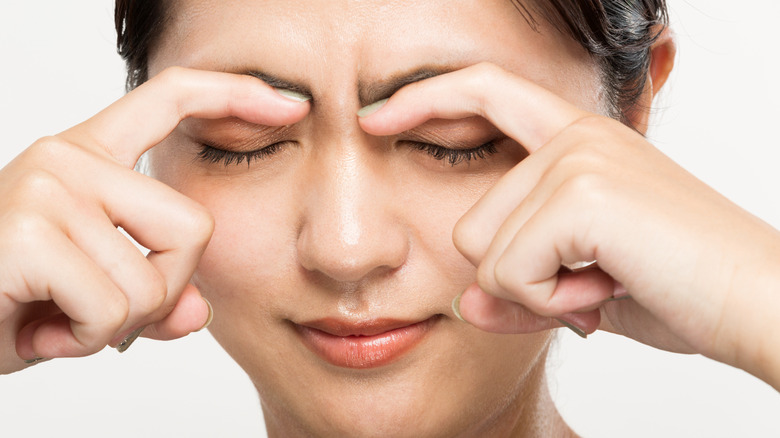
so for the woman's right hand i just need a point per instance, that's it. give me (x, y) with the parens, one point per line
(70, 282)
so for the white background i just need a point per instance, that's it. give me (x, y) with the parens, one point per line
(718, 118)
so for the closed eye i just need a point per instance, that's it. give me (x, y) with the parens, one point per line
(215, 155)
(455, 156)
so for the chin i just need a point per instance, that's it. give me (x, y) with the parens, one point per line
(455, 379)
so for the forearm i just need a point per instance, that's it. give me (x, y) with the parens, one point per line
(753, 312)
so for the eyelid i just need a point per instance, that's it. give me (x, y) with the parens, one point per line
(214, 154)
(234, 134)
(454, 144)
(457, 156)
(454, 134)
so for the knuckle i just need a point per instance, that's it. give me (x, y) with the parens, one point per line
(115, 313)
(50, 150)
(155, 291)
(584, 155)
(26, 230)
(468, 239)
(588, 187)
(509, 278)
(486, 278)
(483, 76)
(505, 275)
(591, 122)
(171, 75)
(169, 81)
(39, 184)
(485, 70)
(198, 225)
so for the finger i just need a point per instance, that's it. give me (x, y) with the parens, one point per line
(545, 218)
(148, 114)
(475, 231)
(528, 113)
(174, 228)
(519, 108)
(55, 269)
(629, 318)
(497, 315)
(192, 313)
(527, 269)
(502, 210)
(144, 286)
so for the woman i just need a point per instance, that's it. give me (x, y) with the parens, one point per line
(351, 267)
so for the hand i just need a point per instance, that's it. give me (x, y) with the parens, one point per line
(702, 273)
(70, 282)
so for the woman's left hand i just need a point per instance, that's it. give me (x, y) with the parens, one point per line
(702, 273)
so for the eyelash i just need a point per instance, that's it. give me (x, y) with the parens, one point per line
(213, 155)
(456, 156)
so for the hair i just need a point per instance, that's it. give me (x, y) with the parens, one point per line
(618, 34)
(139, 24)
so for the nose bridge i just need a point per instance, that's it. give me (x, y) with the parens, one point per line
(348, 228)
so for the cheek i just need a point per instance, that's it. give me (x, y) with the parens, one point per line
(254, 235)
(247, 271)
(253, 241)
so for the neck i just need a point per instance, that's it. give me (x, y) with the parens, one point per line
(531, 414)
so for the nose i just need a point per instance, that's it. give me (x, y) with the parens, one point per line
(351, 228)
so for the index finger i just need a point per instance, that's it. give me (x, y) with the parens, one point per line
(521, 109)
(530, 114)
(145, 116)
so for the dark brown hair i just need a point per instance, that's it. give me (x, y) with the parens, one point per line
(139, 24)
(617, 33)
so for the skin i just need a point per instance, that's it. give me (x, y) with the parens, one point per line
(359, 247)
(331, 225)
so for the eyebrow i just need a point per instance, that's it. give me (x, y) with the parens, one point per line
(279, 82)
(367, 92)
(373, 92)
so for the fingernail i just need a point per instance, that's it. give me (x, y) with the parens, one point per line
(292, 95)
(36, 360)
(371, 109)
(128, 341)
(210, 318)
(456, 307)
(580, 332)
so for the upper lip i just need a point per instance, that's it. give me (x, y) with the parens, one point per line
(371, 327)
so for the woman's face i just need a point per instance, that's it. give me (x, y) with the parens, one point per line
(335, 233)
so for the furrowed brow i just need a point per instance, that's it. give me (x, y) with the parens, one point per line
(279, 82)
(370, 93)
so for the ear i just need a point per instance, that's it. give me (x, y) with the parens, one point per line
(662, 54)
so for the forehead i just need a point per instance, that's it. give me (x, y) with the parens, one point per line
(324, 43)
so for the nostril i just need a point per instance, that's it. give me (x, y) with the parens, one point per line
(352, 255)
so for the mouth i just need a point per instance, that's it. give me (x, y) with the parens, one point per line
(362, 345)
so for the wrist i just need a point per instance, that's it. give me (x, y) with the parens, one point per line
(757, 346)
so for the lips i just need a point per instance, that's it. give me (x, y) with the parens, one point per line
(362, 345)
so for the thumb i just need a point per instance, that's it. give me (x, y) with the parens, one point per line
(191, 313)
(497, 315)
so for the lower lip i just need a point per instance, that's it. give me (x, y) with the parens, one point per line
(361, 352)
